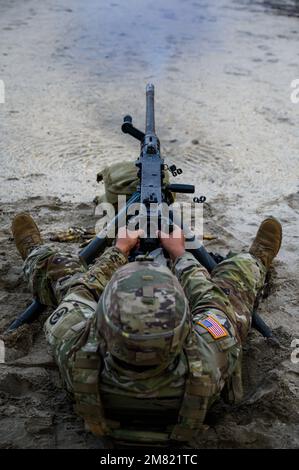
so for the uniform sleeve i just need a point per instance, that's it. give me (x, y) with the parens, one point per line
(107, 264)
(99, 274)
(194, 279)
(221, 358)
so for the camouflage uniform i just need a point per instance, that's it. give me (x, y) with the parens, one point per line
(225, 298)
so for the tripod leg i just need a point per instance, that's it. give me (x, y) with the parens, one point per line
(28, 316)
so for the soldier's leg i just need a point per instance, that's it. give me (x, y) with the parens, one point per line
(241, 277)
(48, 273)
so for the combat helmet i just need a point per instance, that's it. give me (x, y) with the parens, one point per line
(143, 315)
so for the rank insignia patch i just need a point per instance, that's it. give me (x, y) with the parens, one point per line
(213, 327)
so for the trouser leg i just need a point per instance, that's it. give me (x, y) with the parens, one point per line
(48, 273)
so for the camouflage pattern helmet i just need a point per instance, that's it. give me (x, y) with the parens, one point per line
(143, 315)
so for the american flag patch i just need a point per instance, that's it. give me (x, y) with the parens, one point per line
(213, 327)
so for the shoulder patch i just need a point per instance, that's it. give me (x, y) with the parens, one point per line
(57, 314)
(213, 327)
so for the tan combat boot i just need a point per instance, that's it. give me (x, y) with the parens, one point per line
(26, 234)
(267, 241)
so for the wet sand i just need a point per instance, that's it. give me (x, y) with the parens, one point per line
(222, 71)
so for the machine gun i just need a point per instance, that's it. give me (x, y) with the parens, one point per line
(151, 192)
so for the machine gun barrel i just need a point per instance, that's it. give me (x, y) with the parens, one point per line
(150, 109)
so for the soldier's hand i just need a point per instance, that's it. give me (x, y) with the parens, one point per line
(173, 243)
(128, 239)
